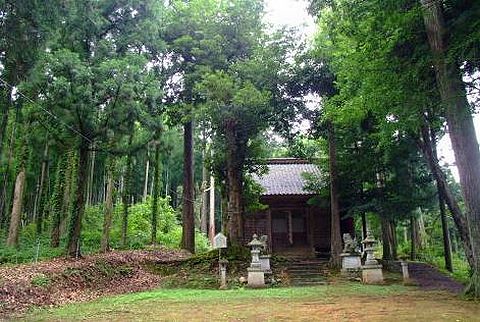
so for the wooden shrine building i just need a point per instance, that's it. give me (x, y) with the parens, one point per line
(296, 221)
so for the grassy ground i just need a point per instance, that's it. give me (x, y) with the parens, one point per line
(345, 301)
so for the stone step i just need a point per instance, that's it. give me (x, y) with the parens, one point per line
(308, 283)
(311, 279)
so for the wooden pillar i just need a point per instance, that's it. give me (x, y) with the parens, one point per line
(269, 230)
(311, 228)
(290, 228)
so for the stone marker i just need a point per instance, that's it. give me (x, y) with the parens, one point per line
(219, 241)
(256, 275)
(371, 270)
(406, 275)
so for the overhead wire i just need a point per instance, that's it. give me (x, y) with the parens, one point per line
(50, 113)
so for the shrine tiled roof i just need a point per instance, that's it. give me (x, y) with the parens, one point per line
(287, 176)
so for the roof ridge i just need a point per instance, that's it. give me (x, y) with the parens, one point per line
(287, 161)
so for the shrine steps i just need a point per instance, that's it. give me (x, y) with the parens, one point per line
(308, 272)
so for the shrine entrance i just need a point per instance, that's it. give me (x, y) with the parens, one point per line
(289, 228)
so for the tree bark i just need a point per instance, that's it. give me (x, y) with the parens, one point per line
(16, 215)
(458, 217)
(335, 238)
(447, 248)
(38, 215)
(188, 219)
(73, 245)
(147, 169)
(461, 128)
(126, 201)
(57, 202)
(108, 211)
(211, 225)
(413, 237)
(389, 242)
(204, 188)
(156, 193)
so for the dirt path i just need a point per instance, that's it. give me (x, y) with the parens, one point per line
(430, 278)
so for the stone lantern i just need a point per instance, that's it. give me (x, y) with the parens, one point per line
(371, 270)
(256, 275)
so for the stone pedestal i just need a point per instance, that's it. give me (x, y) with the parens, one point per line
(256, 277)
(351, 264)
(371, 271)
(372, 274)
(265, 263)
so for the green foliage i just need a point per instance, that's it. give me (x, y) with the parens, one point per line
(169, 231)
(40, 280)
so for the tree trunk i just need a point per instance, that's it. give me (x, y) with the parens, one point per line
(73, 245)
(156, 193)
(413, 239)
(447, 249)
(16, 216)
(335, 237)
(460, 126)
(108, 211)
(69, 193)
(204, 189)
(388, 239)
(211, 225)
(458, 218)
(188, 219)
(147, 169)
(234, 205)
(56, 203)
(39, 194)
(126, 201)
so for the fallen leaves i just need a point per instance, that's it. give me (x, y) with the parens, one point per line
(64, 280)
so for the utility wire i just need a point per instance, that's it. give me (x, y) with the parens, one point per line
(46, 111)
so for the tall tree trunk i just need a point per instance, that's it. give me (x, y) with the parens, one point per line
(188, 219)
(5, 106)
(211, 225)
(69, 193)
(56, 203)
(204, 189)
(335, 237)
(413, 239)
(147, 169)
(126, 200)
(156, 193)
(447, 249)
(460, 126)
(90, 184)
(16, 216)
(234, 205)
(108, 211)
(38, 213)
(5, 180)
(388, 239)
(458, 217)
(73, 245)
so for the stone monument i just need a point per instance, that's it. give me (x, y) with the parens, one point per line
(351, 258)
(264, 257)
(371, 270)
(256, 275)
